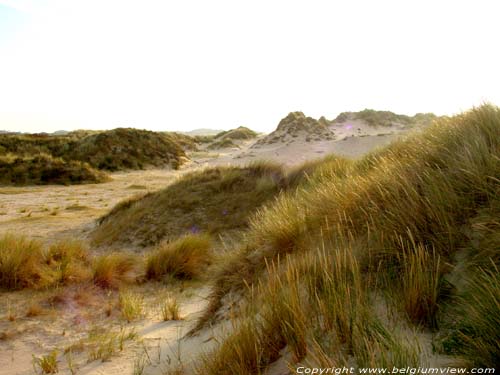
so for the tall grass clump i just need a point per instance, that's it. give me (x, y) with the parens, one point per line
(313, 305)
(185, 258)
(116, 269)
(70, 260)
(474, 331)
(21, 264)
(420, 281)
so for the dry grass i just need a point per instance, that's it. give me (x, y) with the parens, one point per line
(21, 264)
(47, 364)
(34, 309)
(170, 309)
(420, 283)
(71, 261)
(116, 269)
(131, 305)
(472, 325)
(185, 258)
(27, 264)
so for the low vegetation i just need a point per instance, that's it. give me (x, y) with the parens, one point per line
(211, 201)
(341, 268)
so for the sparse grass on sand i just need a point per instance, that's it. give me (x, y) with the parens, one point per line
(342, 268)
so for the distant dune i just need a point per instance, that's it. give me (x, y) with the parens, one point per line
(202, 131)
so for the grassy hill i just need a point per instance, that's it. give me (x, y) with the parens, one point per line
(214, 201)
(362, 263)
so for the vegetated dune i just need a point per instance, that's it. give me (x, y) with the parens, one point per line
(239, 133)
(360, 263)
(231, 138)
(386, 118)
(113, 150)
(44, 169)
(120, 149)
(297, 127)
(212, 200)
(187, 142)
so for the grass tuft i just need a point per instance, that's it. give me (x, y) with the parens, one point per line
(47, 364)
(185, 258)
(170, 309)
(21, 264)
(112, 270)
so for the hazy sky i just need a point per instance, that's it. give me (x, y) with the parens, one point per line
(180, 65)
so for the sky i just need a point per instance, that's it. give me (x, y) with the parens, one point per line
(182, 65)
